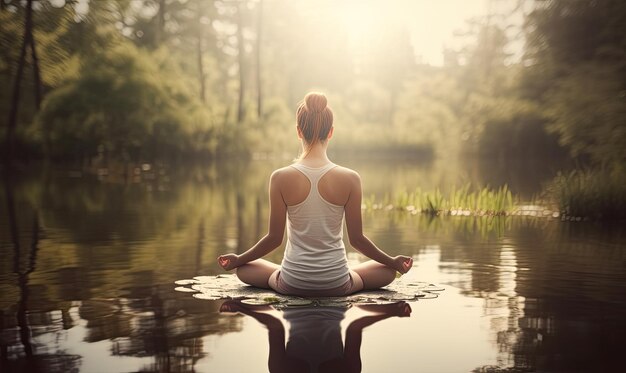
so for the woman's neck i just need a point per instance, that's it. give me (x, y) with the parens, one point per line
(316, 156)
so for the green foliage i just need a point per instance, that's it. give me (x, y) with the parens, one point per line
(587, 110)
(459, 201)
(130, 102)
(511, 127)
(161, 79)
(566, 33)
(578, 74)
(595, 194)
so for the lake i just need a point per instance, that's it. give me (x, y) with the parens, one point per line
(89, 263)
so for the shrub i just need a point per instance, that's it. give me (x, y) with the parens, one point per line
(595, 194)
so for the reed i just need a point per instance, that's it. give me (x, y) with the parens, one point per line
(459, 201)
(592, 194)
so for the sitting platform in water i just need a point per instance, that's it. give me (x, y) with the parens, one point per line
(230, 287)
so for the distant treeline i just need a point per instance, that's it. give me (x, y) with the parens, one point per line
(162, 79)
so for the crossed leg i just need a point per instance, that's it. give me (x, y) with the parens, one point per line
(257, 272)
(375, 275)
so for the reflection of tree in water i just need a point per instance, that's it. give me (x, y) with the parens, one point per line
(557, 296)
(155, 321)
(147, 321)
(573, 312)
(20, 328)
(150, 322)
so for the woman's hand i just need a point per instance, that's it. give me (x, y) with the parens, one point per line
(228, 261)
(402, 263)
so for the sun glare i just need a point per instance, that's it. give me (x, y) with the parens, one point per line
(431, 24)
(359, 19)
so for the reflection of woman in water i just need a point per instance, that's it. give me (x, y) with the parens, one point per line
(315, 335)
(312, 196)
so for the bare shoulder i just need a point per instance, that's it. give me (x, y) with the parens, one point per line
(347, 174)
(284, 175)
(281, 173)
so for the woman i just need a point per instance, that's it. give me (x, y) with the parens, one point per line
(312, 196)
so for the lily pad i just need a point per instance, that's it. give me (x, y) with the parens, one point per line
(418, 284)
(257, 302)
(400, 296)
(429, 296)
(273, 299)
(384, 301)
(206, 296)
(337, 304)
(228, 286)
(183, 289)
(299, 302)
(432, 287)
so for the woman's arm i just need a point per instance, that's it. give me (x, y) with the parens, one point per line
(358, 240)
(274, 236)
(276, 331)
(354, 331)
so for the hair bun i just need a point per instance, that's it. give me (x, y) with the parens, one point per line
(315, 102)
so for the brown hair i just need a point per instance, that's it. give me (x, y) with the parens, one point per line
(315, 119)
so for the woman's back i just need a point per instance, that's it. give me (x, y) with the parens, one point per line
(334, 186)
(315, 253)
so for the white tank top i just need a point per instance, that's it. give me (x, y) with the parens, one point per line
(315, 255)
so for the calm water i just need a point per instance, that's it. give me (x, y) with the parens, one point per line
(87, 269)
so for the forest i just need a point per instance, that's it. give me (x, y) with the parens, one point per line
(137, 139)
(99, 82)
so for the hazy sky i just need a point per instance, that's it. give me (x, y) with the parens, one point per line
(431, 23)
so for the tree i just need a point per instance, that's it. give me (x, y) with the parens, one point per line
(28, 41)
(241, 58)
(133, 107)
(587, 112)
(578, 72)
(259, 82)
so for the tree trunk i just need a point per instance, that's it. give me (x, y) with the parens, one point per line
(200, 59)
(201, 75)
(15, 99)
(259, 86)
(36, 73)
(241, 114)
(160, 31)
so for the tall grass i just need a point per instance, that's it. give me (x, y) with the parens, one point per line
(595, 194)
(578, 195)
(459, 201)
